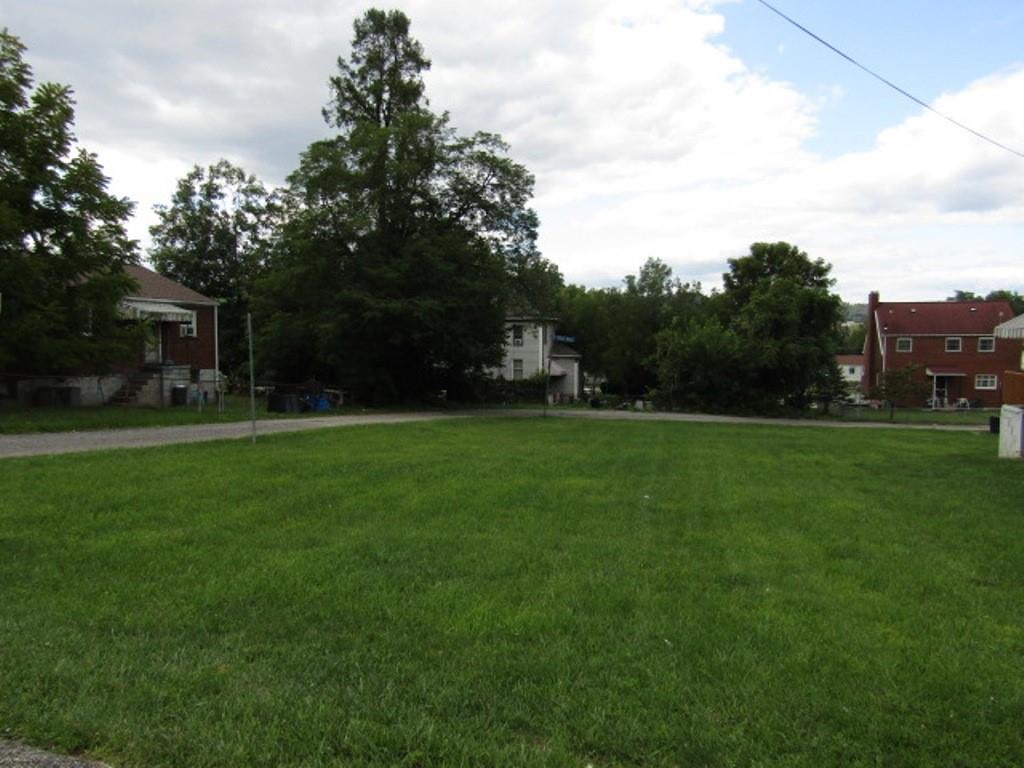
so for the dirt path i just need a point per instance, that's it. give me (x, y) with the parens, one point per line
(76, 442)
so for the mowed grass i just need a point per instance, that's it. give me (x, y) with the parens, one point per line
(536, 592)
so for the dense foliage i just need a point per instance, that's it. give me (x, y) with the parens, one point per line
(404, 243)
(213, 238)
(768, 339)
(62, 235)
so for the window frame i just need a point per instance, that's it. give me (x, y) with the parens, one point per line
(517, 335)
(992, 342)
(959, 343)
(517, 369)
(987, 376)
(910, 344)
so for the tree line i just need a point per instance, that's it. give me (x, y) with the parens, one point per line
(387, 263)
(766, 341)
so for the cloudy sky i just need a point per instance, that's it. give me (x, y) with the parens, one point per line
(683, 130)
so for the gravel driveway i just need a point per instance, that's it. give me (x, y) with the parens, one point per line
(104, 439)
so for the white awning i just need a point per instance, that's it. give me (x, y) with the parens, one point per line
(163, 311)
(560, 368)
(1011, 329)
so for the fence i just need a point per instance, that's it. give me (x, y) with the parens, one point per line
(1013, 388)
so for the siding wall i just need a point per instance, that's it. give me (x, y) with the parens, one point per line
(536, 341)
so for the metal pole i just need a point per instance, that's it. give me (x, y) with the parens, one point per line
(252, 380)
(547, 389)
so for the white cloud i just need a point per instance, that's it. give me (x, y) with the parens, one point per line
(647, 137)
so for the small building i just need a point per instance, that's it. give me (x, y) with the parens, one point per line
(178, 362)
(182, 346)
(953, 343)
(852, 369)
(532, 348)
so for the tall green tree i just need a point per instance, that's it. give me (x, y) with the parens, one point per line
(405, 242)
(62, 234)
(780, 302)
(213, 237)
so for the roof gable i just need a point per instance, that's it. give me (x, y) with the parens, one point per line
(940, 318)
(155, 286)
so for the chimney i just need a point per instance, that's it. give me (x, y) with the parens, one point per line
(870, 347)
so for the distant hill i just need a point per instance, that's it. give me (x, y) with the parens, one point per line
(855, 313)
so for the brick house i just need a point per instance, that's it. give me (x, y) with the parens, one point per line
(179, 359)
(953, 342)
(181, 348)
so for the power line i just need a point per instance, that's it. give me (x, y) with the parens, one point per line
(891, 84)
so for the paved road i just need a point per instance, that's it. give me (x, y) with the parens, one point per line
(712, 419)
(75, 442)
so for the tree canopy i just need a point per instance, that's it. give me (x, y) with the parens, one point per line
(404, 243)
(62, 234)
(213, 237)
(767, 340)
(1016, 299)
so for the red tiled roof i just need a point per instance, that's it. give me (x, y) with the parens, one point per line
(154, 286)
(850, 359)
(913, 318)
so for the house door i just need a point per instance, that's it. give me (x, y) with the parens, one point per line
(154, 346)
(941, 392)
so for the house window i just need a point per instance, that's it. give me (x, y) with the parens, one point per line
(904, 344)
(517, 368)
(517, 337)
(986, 344)
(851, 370)
(187, 330)
(953, 343)
(985, 381)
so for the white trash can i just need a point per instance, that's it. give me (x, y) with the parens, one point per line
(1011, 432)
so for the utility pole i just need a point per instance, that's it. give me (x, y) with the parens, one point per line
(252, 379)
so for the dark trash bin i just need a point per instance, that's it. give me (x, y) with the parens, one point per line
(281, 403)
(44, 397)
(179, 394)
(993, 425)
(69, 397)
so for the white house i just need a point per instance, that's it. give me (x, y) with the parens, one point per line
(532, 348)
(852, 369)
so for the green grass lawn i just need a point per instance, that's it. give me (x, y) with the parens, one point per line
(30, 420)
(519, 592)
